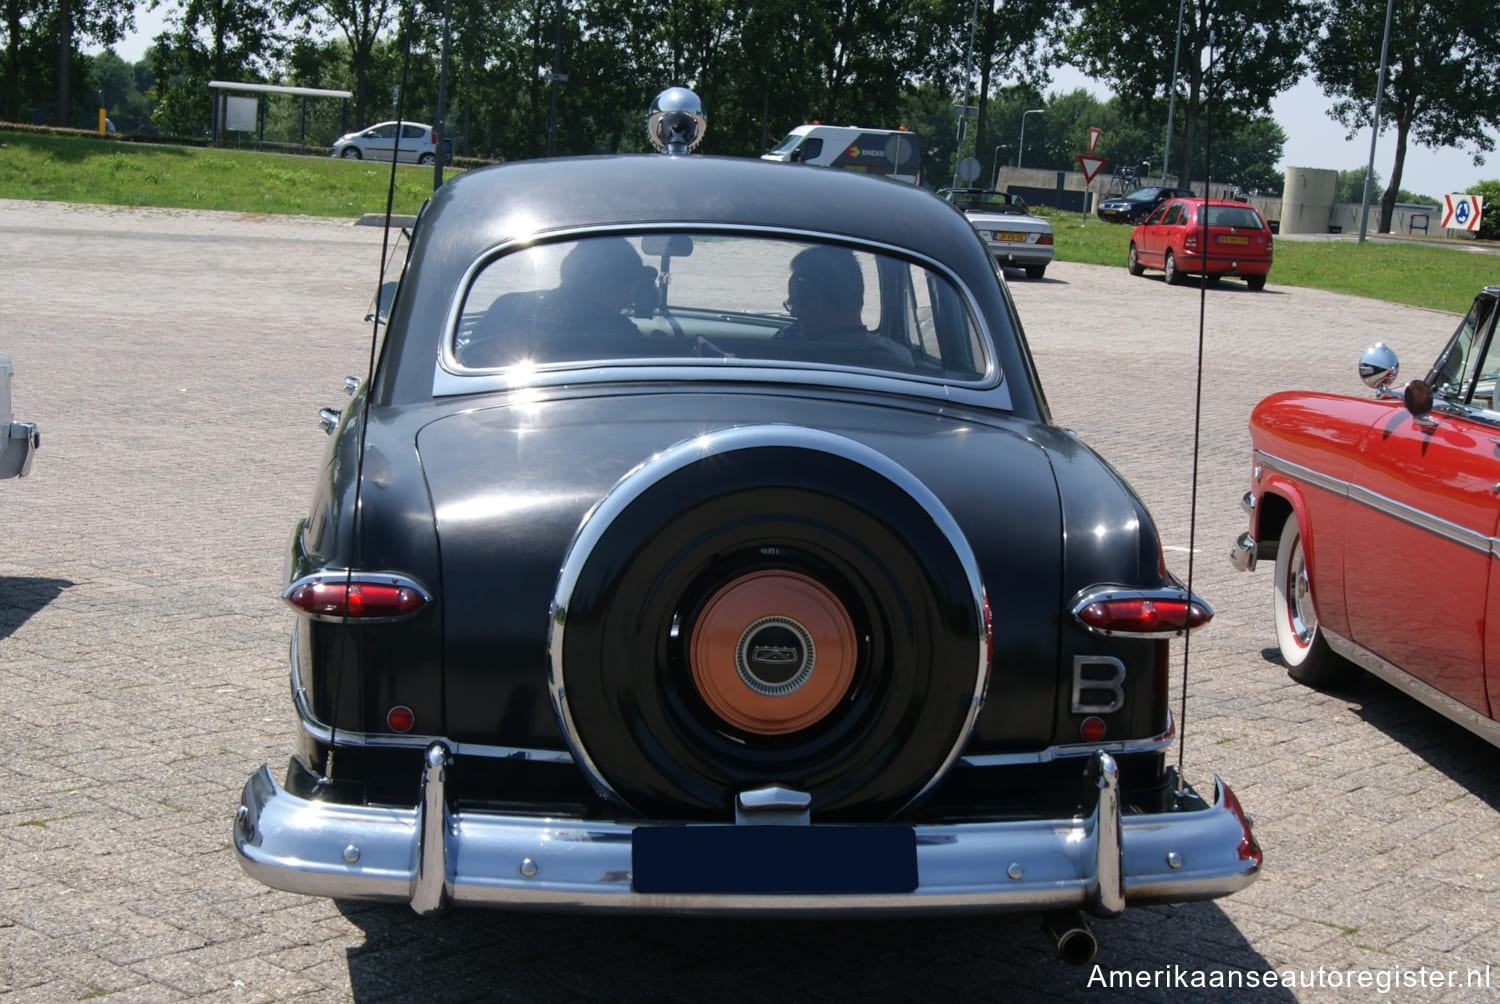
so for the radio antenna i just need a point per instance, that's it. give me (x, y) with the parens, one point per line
(1187, 636)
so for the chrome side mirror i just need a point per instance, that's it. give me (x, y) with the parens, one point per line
(1378, 367)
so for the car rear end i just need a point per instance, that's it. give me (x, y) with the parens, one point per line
(1016, 240)
(1233, 241)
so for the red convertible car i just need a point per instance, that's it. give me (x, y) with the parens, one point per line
(1416, 471)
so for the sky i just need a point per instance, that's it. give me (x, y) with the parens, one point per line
(1313, 139)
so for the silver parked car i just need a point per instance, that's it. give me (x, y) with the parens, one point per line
(1015, 238)
(418, 143)
(20, 438)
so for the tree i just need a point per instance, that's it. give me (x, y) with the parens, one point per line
(42, 63)
(1442, 86)
(123, 87)
(210, 40)
(1258, 51)
(360, 22)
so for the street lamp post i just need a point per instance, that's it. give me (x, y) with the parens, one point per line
(995, 159)
(1166, 143)
(1021, 143)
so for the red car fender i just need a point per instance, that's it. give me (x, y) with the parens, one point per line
(1322, 544)
(1290, 452)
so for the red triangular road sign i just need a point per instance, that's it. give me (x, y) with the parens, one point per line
(1094, 132)
(1090, 166)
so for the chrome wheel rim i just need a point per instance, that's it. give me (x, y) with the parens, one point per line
(1304, 620)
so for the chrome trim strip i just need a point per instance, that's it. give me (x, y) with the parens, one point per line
(489, 859)
(1307, 474)
(450, 378)
(1455, 711)
(1460, 535)
(327, 735)
(1121, 748)
(724, 441)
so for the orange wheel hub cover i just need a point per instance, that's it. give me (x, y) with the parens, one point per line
(773, 652)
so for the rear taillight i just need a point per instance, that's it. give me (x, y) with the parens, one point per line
(433, 140)
(363, 596)
(1137, 613)
(1044, 239)
(1190, 240)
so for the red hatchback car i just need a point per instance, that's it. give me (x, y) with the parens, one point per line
(1381, 518)
(1235, 240)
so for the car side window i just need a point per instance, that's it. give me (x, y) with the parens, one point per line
(1174, 214)
(1156, 216)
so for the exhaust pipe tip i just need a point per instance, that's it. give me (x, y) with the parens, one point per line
(1072, 937)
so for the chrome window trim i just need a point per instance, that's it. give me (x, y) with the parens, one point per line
(723, 441)
(451, 379)
(329, 736)
(1454, 710)
(1409, 515)
(1064, 751)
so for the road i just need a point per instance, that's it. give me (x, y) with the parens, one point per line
(175, 363)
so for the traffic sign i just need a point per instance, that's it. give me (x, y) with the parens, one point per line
(1090, 166)
(1462, 212)
(1093, 138)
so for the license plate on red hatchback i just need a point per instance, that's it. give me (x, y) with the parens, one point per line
(774, 860)
(1231, 239)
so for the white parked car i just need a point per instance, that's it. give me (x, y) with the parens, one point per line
(418, 143)
(20, 438)
(1015, 238)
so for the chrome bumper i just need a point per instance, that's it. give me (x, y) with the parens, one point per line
(1242, 554)
(430, 856)
(20, 442)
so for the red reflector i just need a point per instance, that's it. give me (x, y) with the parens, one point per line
(1141, 615)
(1092, 729)
(1044, 239)
(400, 719)
(346, 598)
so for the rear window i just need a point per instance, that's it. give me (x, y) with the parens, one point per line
(717, 299)
(1239, 217)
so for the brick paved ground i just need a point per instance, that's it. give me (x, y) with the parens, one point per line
(175, 362)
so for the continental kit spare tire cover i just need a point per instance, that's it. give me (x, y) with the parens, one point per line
(768, 605)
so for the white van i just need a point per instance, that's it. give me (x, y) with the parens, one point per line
(892, 152)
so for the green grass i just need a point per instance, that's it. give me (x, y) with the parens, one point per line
(1423, 272)
(68, 169)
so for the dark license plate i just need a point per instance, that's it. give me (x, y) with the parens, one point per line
(1223, 239)
(774, 860)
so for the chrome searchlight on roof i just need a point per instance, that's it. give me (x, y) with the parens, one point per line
(676, 122)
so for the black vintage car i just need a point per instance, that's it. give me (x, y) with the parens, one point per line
(701, 542)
